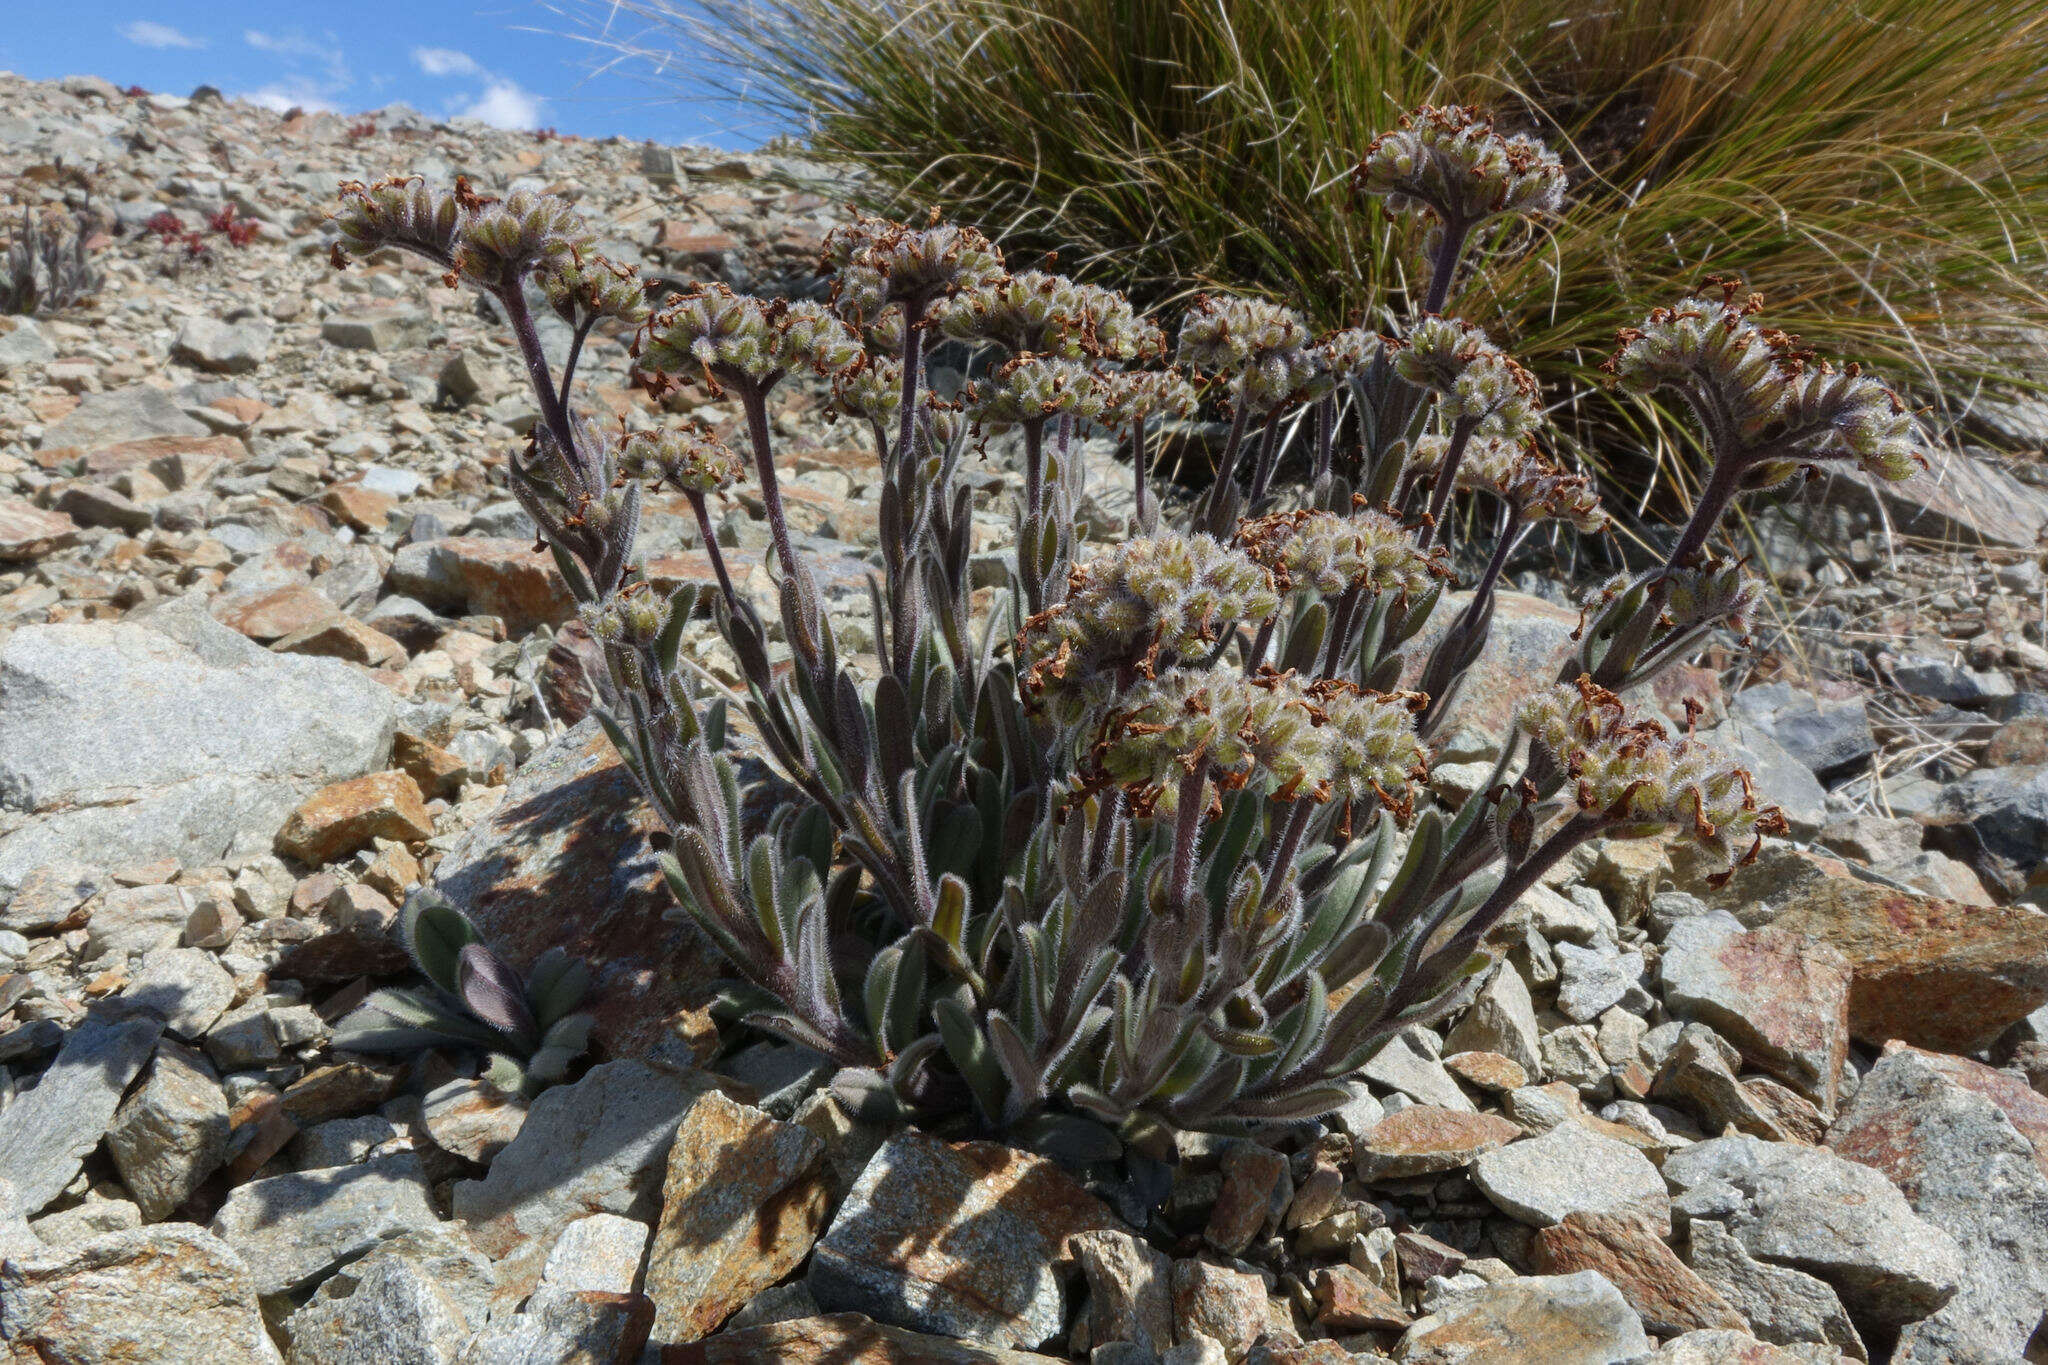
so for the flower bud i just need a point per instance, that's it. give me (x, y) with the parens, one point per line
(1452, 163)
(1030, 388)
(403, 213)
(741, 339)
(1330, 554)
(876, 262)
(503, 242)
(688, 461)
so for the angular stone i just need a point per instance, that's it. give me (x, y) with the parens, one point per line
(223, 347)
(1410, 1063)
(344, 637)
(483, 576)
(29, 532)
(170, 1293)
(1501, 1019)
(473, 1119)
(48, 1131)
(135, 413)
(1577, 1319)
(1593, 980)
(1348, 1301)
(1810, 1209)
(842, 1339)
(50, 895)
(1631, 1255)
(172, 1133)
(416, 1298)
(1933, 973)
(567, 1327)
(1226, 1305)
(601, 1252)
(744, 1199)
(2007, 808)
(565, 860)
(1571, 1169)
(1530, 641)
(293, 1229)
(365, 509)
(597, 1146)
(187, 988)
(1966, 1169)
(1782, 998)
(1255, 1190)
(1487, 1070)
(1724, 1346)
(1423, 1139)
(273, 613)
(1699, 1073)
(139, 919)
(1130, 1289)
(1782, 1305)
(962, 1239)
(339, 819)
(177, 738)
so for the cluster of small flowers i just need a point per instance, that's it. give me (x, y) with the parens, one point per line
(1331, 554)
(1717, 591)
(503, 241)
(744, 340)
(1028, 388)
(876, 262)
(1632, 776)
(1474, 379)
(401, 212)
(581, 287)
(687, 461)
(1040, 313)
(1453, 163)
(1323, 741)
(1132, 395)
(1516, 474)
(632, 617)
(1134, 606)
(1264, 351)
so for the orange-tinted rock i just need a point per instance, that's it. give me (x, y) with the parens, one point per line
(485, 576)
(29, 532)
(366, 509)
(842, 1339)
(1628, 1251)
(1782, 998)
(344, 637)
(337, 820)
(1423, 1139)
(293, 609)
(743, 1201)
(1348, 1301)
(437, 771)
(1487, 1070)
(1934, 973)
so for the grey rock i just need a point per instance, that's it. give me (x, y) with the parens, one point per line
(1964, 1168)
(1809, 1209)
(1130, 1290)
(139, 919)
(1571, 1169)
(1942, 680)
(1501, 1019)
(1784, 1306)
(597, 1146)
(294, 1229)
(381, 331)
(169, 1293)
(415, 1299)
(16, 1240)
(342, 1142)
(1832, 738)
(244, 1037)
(48, 895)
(47, 1132)
(777, 1303)
(2006, 807)
(94, 1216)
(223, 347)
(1593, 980)
(172, 1133)
(601, 1252)
(563, 1327)
(187, 988)
(135, 413)
(1410, 1064)
(23, 344)
(176, 738)
(1779, 776)
(1781, 998)
(1578, 1319)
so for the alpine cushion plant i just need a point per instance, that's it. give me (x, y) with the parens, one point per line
(1148, 839)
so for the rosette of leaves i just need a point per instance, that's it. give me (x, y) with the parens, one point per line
(529, 1029)
(1134, 834)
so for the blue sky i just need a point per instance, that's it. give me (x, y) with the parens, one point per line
(478, 57)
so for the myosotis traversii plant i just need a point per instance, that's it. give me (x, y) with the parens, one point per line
(1148, 839)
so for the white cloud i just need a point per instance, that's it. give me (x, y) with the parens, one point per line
(297, 46)
(506, 104)
(445, 61)
(149, 33)
(282, 96)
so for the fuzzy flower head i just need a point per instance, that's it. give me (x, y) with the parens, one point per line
(1330, 554)
(403, 213)
(1321, 741)
(1716, 592)
(687, 461)
(1134, 608)
(875, 262)
(1031, 388)
(633, 616)
(1452, 163)
(1475, 380)
(746, 341)
(871, 388)
(586, 285)
(505, 241)
(1841, 415)
(1262, 351)
(1518, 475)
(1629, 773)
(1049, 314)
(1339, 355)
(1135, 395)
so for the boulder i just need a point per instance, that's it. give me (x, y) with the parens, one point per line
(293, 1230)
(172, 1133)
(169, 738)
(169, 1293)
(135, 413)
(1571, 1169)
(47, 1132)
(1782, 998)
(1577, 1319)
(1630, 1254)
(29, 532)
(1781, 1305)
(417, 1298)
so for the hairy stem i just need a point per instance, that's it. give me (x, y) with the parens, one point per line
(711, 548)
(1446, 480)
(754, 401)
